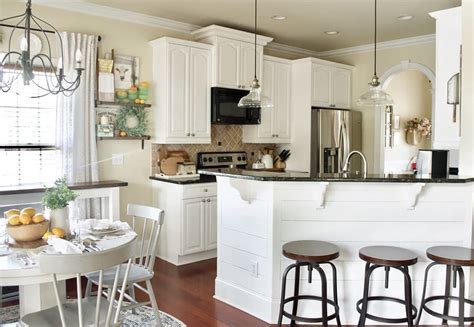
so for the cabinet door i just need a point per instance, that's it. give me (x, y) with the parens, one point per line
(178, 109)
(265, 129)
(321, 86)
(192, 226)
(228, 63)
(282, 102)
(211, 223)
(341, 88)
(248, 63)
(200, 93)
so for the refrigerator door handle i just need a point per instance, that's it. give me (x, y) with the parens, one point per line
(345, 143)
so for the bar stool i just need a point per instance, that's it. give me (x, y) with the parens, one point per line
(310, 254)
(454, 258)
(387, 257)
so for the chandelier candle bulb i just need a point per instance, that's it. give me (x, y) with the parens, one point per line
(78, 56)
(24, 44)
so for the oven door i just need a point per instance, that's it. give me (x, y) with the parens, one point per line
(225, 108)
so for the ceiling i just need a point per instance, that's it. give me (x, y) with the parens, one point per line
(306, 19)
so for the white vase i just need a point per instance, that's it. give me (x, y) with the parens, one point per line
(59, 218)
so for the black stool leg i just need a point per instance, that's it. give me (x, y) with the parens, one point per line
(461, 295)
(296, 292)
(422, 305)
(283, 288)
(408, 298)
(324, 295)
(334, 285)
(447, 293)
(365, 301)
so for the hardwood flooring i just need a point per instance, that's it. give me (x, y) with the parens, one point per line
(186, 292)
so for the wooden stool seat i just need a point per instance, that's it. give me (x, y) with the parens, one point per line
(390, 256)
(311, 251)
(451, 255)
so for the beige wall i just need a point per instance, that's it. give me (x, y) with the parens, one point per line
(363, 62)
(412, 95)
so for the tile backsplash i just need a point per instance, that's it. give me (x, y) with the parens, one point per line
(223, 138)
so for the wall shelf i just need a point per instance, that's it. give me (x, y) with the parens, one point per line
(115, 138)
(120, 104)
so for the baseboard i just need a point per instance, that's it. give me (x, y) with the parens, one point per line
(190, 258)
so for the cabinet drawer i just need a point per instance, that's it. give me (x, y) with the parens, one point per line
(199, 190)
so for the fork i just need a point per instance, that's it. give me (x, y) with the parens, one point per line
(25, 259)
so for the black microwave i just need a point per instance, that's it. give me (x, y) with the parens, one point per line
(225, 110)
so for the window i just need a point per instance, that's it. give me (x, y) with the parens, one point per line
(27, 136)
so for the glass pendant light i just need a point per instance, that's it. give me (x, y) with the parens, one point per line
(255, 98)
(375, 96)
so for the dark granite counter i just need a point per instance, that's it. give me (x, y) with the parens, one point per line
(292, 176)
(193, 180)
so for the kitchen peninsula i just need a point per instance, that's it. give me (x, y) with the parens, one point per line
(259, 211)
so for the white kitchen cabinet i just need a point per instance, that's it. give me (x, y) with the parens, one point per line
(182, 80)
(275, 124)
(189, 231)
(233, 55)
(331, 86)
(446, 132)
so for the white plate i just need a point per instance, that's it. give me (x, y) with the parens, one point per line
(106, 231)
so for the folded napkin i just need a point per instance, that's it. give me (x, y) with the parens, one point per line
(63, 246)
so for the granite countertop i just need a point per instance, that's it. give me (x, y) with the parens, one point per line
(293, 176)
(38, 188)
(185, 181)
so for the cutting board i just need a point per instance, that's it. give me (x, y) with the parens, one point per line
(169, 166)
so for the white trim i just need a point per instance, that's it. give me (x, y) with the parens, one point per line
(288, 49)
(119, 14)
(416, 40)
(226, 32)
(159, 22)
(405, 65)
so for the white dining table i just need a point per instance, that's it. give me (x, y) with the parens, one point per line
(35, 288)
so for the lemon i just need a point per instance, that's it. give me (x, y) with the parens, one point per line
(47, 235)
(11, 212)
(38, 218)
(59, 232)
(25, 219)
(14, 220)
(29, 211)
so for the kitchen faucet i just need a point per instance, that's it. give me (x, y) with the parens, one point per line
(345, 168)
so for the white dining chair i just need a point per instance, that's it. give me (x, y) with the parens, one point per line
(89, 311)
(142, 267)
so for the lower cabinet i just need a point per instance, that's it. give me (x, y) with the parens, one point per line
(198, 225)
(189, 232)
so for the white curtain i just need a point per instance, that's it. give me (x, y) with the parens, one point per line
(76, 116)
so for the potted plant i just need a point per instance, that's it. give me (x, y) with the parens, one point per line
(417, 129)
(56, 199)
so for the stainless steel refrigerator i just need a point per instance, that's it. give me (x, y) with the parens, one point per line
(335, 133)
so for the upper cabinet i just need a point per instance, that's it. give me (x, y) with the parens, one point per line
(446, 129)
(182, 80)
(276, 122)
(330, 86)
(233, 55)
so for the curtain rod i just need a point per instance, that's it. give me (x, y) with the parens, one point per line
(37, 30)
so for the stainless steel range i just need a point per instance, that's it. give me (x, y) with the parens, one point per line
(221, 160)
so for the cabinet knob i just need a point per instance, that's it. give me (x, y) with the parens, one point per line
(208, 200)
(193, 135)
(277, 135)
(203, 200)
(205, 190)
(189, 134)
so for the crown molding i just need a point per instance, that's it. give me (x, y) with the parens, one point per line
(119, 14)
(416, 40)
(288, 49)
(159, 22)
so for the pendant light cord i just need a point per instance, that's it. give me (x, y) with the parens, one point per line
(255, 35)
(375, 40)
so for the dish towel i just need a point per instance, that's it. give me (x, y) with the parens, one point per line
(63, 246)
(106, 86)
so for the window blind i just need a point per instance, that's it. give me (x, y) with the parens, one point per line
(27, 136)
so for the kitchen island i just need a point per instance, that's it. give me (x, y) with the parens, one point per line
(259, 211)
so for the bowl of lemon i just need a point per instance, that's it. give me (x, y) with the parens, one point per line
(26, 225)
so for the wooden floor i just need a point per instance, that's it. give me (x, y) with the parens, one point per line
(186, 292)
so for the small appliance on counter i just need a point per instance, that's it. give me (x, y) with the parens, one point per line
(186, 168)
(432, 163)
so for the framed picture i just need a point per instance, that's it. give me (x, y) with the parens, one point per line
(126, 71)
(105, 130)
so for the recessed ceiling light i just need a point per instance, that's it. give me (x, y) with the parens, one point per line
(278, 17)
(405, 17)
(331, 32)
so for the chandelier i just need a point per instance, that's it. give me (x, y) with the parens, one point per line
(26, 64)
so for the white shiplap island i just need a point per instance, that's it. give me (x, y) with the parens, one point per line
(258, 212)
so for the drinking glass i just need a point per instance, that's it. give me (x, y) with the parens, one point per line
(4, 238)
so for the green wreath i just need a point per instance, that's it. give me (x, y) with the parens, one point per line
(132, 111)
